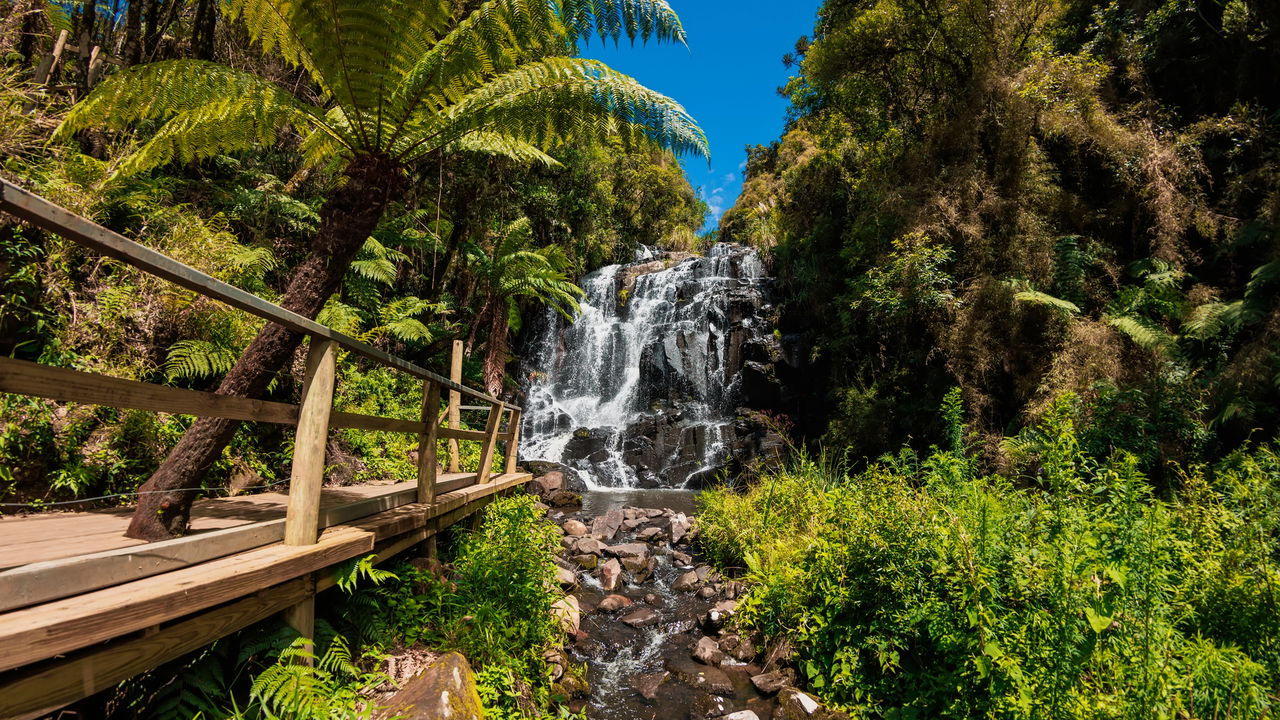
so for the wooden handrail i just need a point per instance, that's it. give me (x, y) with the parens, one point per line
(44, 214)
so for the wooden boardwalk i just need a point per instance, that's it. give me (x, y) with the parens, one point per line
(83, 608)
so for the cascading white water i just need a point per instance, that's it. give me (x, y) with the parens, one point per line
(640, 389)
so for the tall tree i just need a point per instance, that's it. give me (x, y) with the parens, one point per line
(400, 80)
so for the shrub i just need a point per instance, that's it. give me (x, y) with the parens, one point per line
(917, 589)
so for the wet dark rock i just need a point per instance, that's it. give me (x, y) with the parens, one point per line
(564, 498)
(701, 677)
(770, 683)
(645, 571)
(707, 652)
(745, 650)
(795, 705)
(647, 685)
(653, 599)
(718, 615)
(642, 617)
(706, 593)
(708, 706)
(686, 583)
(613, 603)
(681, 559)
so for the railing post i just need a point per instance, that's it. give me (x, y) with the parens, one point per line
(427, 460)
(490, 443)
(302, 521)
(513, 441)
(455, 406)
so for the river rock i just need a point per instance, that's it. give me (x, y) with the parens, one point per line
(547, 484)
(628, 550)
(770, 683)
(707, 652)
(642, 617)
(445, 689)
(567, 578)
(557, 661)
(679, 528)
(654, 513)
(615, 602)
(706, 593)
(653, 599)
(563, 498)
(575, 528)
(649, 683)
(651, 534)
(645, 571)
(740, 715)
(587, 562)
(718, 615)
(589, 546)
(795, 705)
(610, 575)
(708, 706)
(632, 523)
(701, 677)
(681, 559)
(607, 525)
(568, 613)
(686, 582)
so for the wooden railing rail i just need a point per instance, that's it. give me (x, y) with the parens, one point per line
(314, 416)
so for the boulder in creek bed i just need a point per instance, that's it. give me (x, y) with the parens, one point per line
(614, 602)
(687, 582)
(610, 575)
(707, 652)
(795, 705)
(586, 562)
(681, 559)
(567, 578)
(607, 525)
(575, 528)
(645, 571)
(739, 648)
(718, 615)
(651, 534)
(445, 689)
(635, 564)
(563, 498)
(628, 550)
(708, 706)
(679, 528)
(770, 683)
(568, 613)
(633, 523)
(707, 592)
(647, 685)
(642, 617)
(546, 484)
(589, 546)
(740, 715)
(701, 677)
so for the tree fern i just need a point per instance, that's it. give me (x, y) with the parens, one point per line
(402, 81)
(1143, 332)
(1036, 297)
(302, 686)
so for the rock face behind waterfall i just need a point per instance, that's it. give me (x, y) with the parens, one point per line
(653, 383)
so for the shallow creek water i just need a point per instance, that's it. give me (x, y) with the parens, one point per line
(649, 672)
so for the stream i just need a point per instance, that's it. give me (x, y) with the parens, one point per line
(640, 638)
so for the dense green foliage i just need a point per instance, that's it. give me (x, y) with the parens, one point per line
(1025, 199)
(248, 216)
(918, 588)
(492, 601)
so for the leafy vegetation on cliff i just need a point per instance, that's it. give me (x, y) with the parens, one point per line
(1027, 199)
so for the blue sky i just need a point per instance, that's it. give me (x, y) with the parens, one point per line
(726, 79)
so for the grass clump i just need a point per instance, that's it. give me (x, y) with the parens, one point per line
(919, 589)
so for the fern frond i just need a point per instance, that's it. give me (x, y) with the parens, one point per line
(343, 318)
(558, 101)
(197, 360)
(1036, 297)
(611, 19)
(207, 109)
(1143, 332)
(496, 144)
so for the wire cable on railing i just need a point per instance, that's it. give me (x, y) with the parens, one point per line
(40, 504)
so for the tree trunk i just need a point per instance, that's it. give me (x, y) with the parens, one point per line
(349, 215)
(132, 51)
(202, 29)
(495, 352)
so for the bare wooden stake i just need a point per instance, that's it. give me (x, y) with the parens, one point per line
(428, 463)
(302, 519)
(513, 441)
(490, 445)
(302, 617)
(455, 406)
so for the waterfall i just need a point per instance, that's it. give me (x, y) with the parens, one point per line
(641, 389)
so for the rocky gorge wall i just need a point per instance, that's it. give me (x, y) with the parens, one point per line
(662, 378)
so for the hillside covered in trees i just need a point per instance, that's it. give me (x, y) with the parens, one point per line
(1026, 199)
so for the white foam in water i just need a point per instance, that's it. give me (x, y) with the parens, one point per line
(589, 374)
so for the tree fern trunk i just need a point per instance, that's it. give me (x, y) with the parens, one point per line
(495, 353)
(348, 217)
